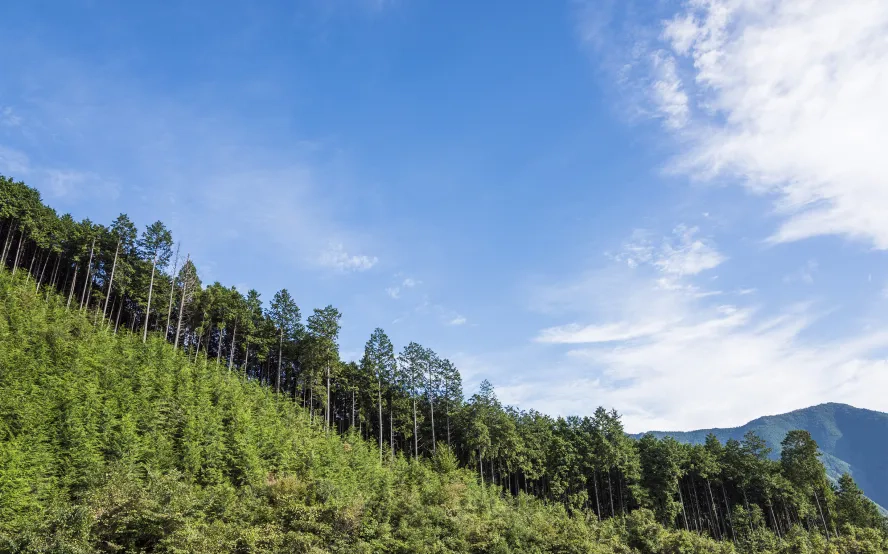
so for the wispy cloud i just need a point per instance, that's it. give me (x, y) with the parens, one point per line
(787, 97)
(407, 283)
(672, 356)
(337, 258)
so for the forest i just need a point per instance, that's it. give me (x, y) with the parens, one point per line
(142, 410)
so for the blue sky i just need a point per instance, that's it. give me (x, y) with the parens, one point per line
(671, 208)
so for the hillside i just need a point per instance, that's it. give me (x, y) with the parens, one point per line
(852, 440)
(109, 445)
(208, 421)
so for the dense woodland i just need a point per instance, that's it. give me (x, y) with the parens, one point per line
(141, 410)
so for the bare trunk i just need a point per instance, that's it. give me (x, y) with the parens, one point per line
(119, 311)
(111, 280)
(182, 304)
(328, 415)
(166, 330)
(822, 519)
(684, 512)
(432, 410)
(43, 271)
(18, 250)
(415, 431)
(87, 275)
(150, 291)
(231, 350)
(381, 427)
(277, 387)
(71, 290)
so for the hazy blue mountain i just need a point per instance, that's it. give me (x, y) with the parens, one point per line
(852, 440)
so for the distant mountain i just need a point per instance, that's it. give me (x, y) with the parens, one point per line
(852, 440)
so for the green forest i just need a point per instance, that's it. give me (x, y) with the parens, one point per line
(142, 410)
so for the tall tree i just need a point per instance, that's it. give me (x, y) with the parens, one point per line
(323, 329)
(379, 362)
(156, 245)
(285, 315)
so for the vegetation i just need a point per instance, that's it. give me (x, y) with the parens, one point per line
(228, 428)
(847, 437)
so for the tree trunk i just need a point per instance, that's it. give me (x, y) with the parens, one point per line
(728, 509)
(597, 503)
(219, 346)
(277, 387)
(10, 232)
(231, 350)
(71, 290)
(150, 291)
(822, 519)
(381, 427)
(432, 410)
(55, 269)
(119, 311)
(684, 512)
(610, 489)
(87, 275)
(328, 416)
(166, 330)
(415, 431)
(182, 304)
(43, 271)
(18, 250)
(111, 279)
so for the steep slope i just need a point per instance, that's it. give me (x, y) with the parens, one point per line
(111, 445)
(852, 440)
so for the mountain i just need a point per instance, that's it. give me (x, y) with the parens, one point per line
(852, 440)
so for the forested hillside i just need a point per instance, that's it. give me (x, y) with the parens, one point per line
(852, 440)
(141, 411)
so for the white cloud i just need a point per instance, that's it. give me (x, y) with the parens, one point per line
(649, 341)
(788, 97)
(337, 258)
(679, 255)
(458, 320)
(395, 291)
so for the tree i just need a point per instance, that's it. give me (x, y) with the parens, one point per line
(323, 328)
(155, 245)
(800, 459)
(123, 234)
(285, 315)
(379, 362)
(412, 362)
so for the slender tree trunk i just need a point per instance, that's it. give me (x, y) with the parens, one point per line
(71, 290)
(822, 519)
(111, 279)
(219, 346)
(33, 259)
(150, 291)
(597, 503)
(166, 329)
(415, 431)
(231, 350)
(87, 275)
(10, 232)
(277, 387)
(55, 269)
(381, 427)
(43, 270)
(329, 416)
(392, 428)
(18, 250)
(432, 410)
(684, 512)
(119, 311)
(728, 510)
(182, 304)
(610, 489)
(481, 467)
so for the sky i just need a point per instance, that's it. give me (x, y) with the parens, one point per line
(674, 209)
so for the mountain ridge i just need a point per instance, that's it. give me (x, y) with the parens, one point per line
(851, 439)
